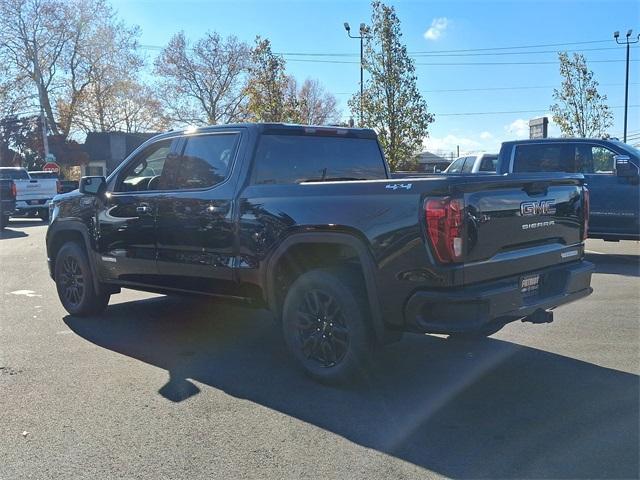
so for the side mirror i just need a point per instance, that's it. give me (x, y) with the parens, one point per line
(624, 167)
(92, 185)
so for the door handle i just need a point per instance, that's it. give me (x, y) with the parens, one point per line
(143, 209)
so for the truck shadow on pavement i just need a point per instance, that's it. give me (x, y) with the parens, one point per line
(9, 233)
(490, 409)
(628, 265)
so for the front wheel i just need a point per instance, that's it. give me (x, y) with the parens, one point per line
(43, 215)
(325, 327)
(4, 221)
(74, 282)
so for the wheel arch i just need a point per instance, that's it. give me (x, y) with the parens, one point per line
(59, 234)
(334, 239)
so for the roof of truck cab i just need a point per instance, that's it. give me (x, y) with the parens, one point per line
(561, 140)
(283, 129)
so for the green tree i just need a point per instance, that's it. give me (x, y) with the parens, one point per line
(579, 111)
(271, 93)
(392, 104)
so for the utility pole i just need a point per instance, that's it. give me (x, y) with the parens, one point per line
(362, 36)
(627, 42)
(45, 140)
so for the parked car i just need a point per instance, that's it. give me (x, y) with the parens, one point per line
(611, 170)
(64, 185)
(33, 196)
(307, 222)
(478, 163)
(7, 201)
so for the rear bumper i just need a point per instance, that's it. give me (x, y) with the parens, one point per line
(24, 207)
(471, 308)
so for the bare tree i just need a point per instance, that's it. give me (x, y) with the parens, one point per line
(203, 84)
(33, 37)
(100, 54)
(580, 110)
(15, 96)
(126, 106)
(316, 106)
(63, 48)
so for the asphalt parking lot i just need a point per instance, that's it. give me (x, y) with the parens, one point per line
(161, 387)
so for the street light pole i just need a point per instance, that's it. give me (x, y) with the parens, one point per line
(362, 36)
(627, 42)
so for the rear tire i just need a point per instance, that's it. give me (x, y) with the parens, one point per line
(74, 282)
(4, 221)
(325, 326)
(43, 215)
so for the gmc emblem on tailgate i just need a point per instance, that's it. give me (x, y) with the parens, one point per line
(542, 207)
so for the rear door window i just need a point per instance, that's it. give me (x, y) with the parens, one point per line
(286, 159)
(488, 163)
(541, 157)
(468, 165)
(603, 159)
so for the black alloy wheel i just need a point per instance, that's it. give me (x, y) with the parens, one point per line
(75, 283)
(324, 335)
(72, 281)
(325, 324)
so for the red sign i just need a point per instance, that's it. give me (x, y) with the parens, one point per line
(51, 167)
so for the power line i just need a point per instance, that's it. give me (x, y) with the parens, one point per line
(517, 47)
(508, 112)
(438, 54)
(487, 89)
(426, 53)
(441, 64)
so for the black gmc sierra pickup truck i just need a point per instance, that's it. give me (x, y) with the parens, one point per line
(308, 222)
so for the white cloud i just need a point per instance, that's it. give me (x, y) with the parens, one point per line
(450, 143)
(437, 28)
(486, 135)
(519, 128)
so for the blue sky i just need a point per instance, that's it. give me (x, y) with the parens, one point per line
(315, 26)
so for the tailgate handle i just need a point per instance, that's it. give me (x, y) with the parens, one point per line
(534, 188)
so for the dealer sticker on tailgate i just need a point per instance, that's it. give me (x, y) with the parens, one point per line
(529, 285)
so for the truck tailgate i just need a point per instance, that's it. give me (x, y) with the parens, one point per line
(31, 190)
(520, 223)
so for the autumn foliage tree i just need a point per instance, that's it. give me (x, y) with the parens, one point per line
(392, 104)
(271, 97)
(580, 110)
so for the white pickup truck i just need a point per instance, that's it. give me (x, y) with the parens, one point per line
(33, 196)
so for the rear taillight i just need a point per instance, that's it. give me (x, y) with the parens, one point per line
(445, 228)
(585, 211)
(14, 190)
(58, 186)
